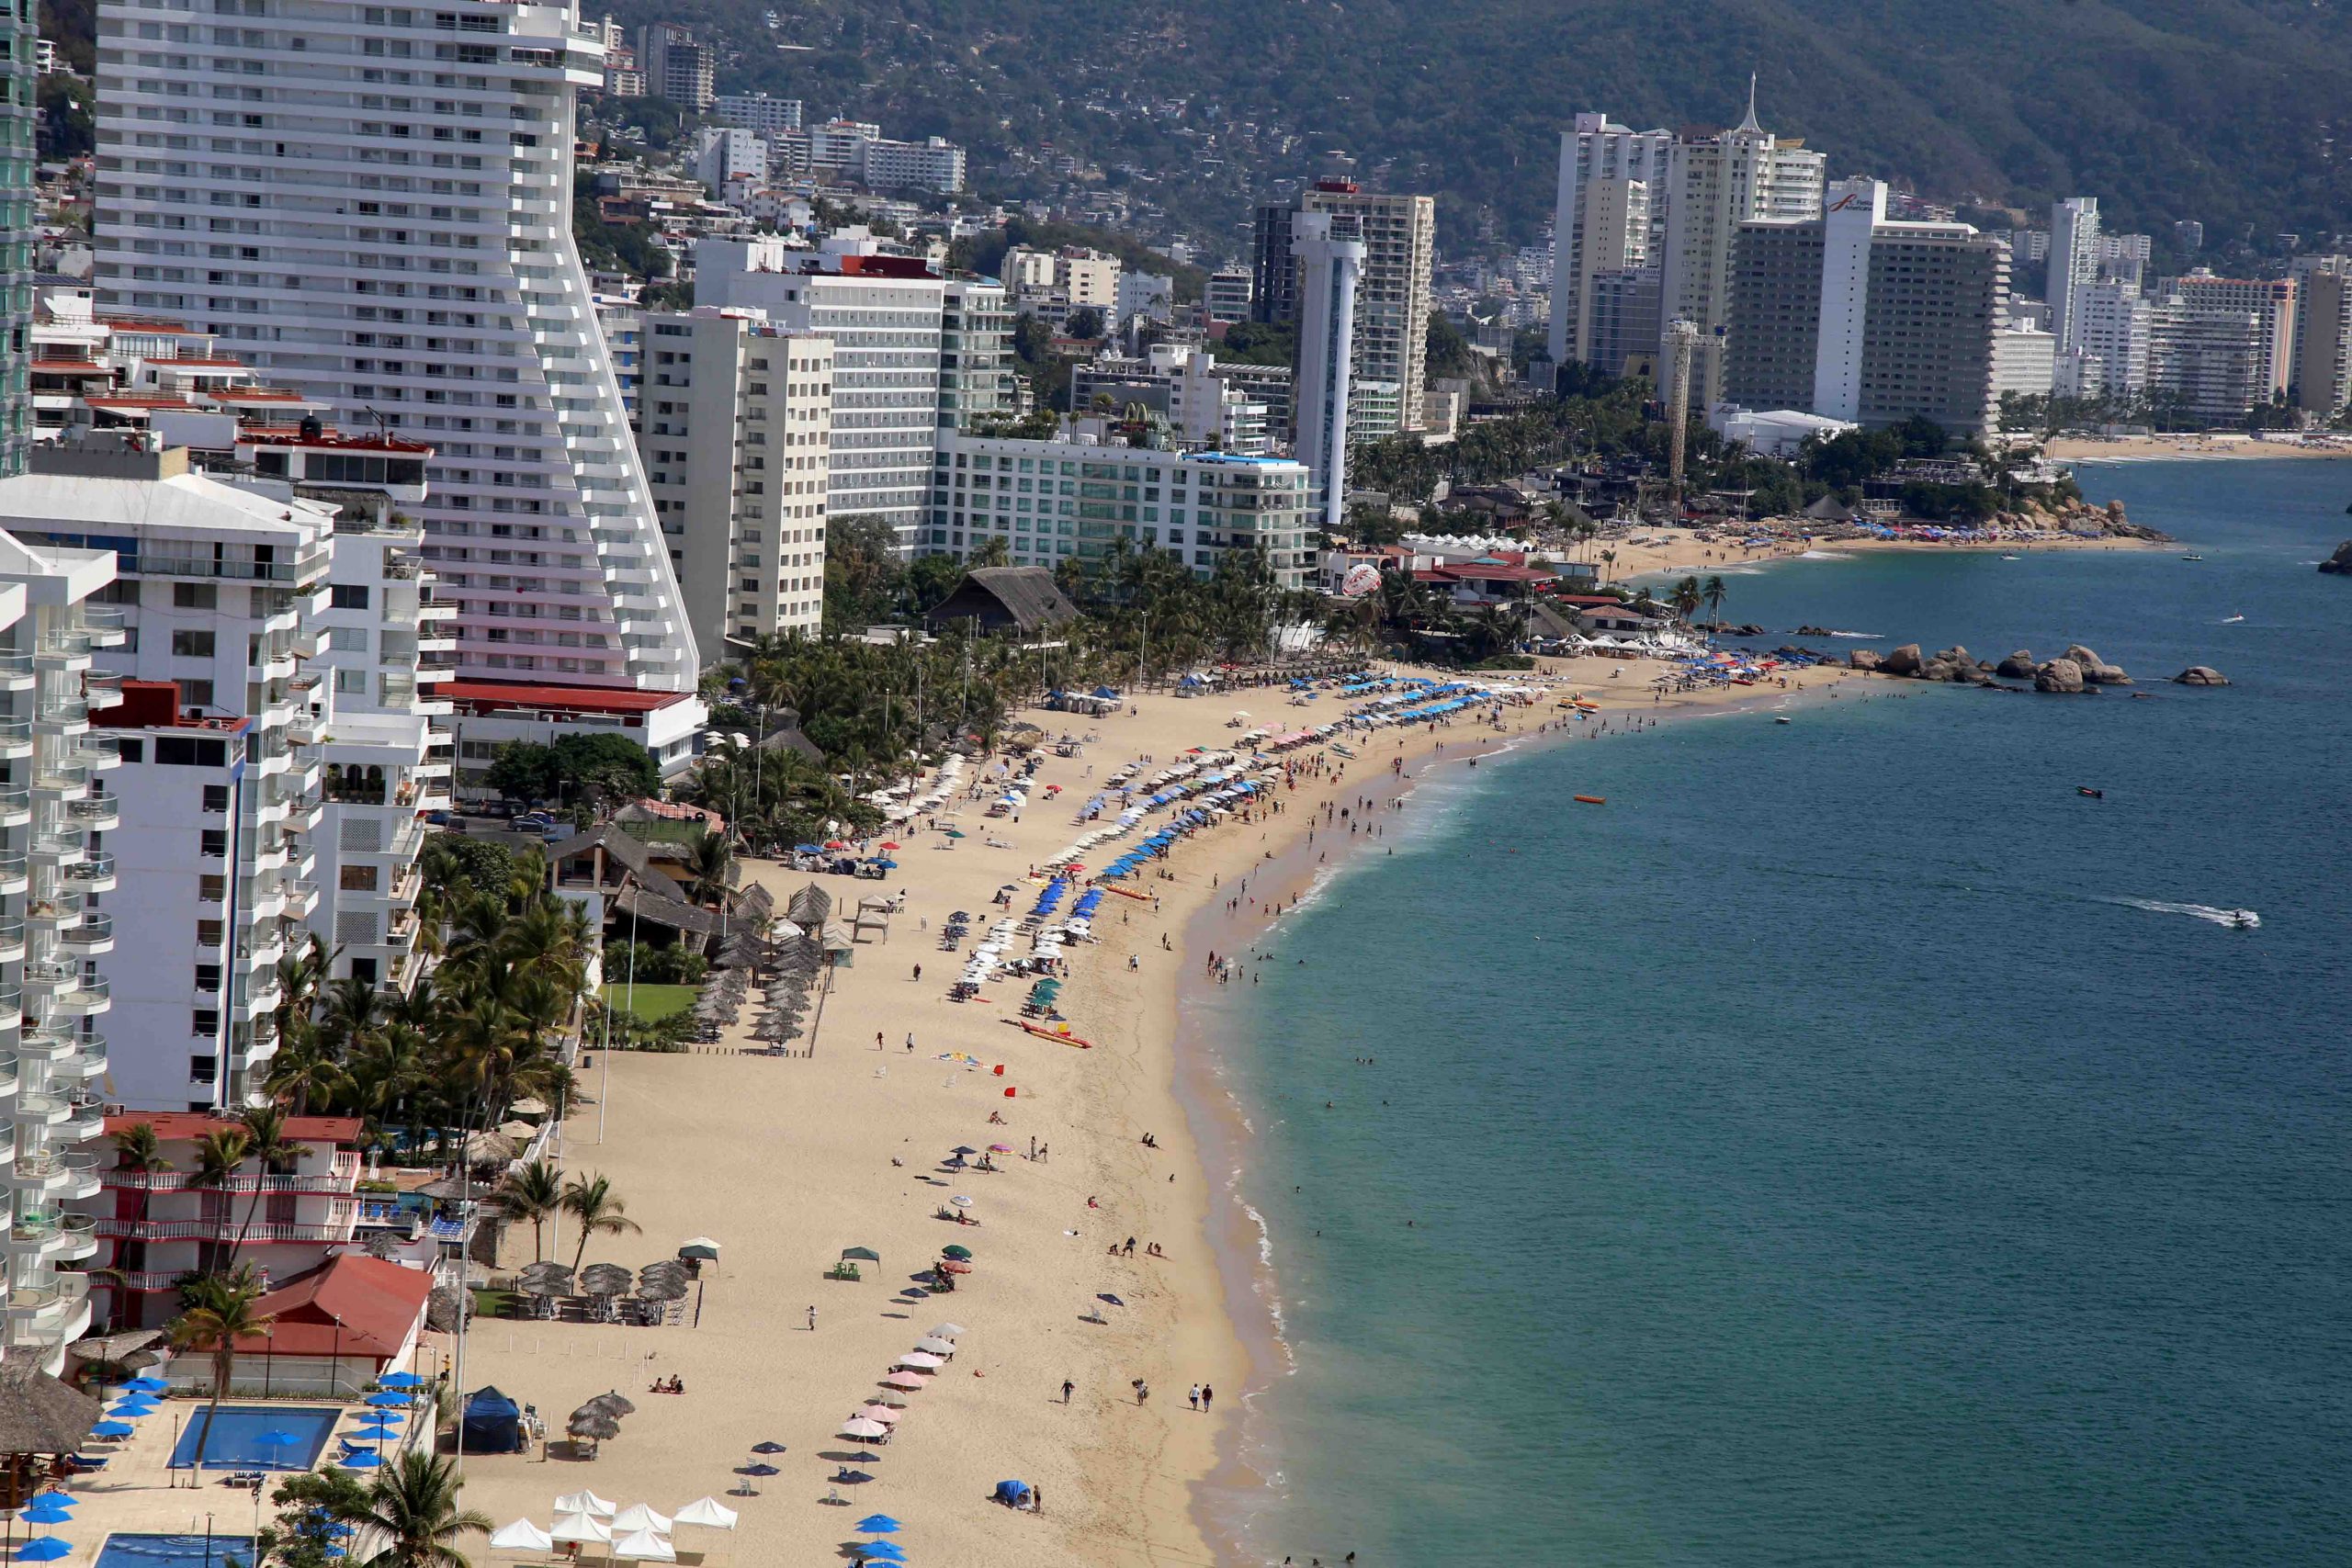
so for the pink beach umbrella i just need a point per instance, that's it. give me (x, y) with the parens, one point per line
(882, 1412)
(902, 1380)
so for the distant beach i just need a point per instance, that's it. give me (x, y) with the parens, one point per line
(2177, 448)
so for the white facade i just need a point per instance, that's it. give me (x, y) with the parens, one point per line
(2110, 323)
(1329, 270)
(737, 430)
(884, 316)
(385, 225)
(2073, 264)
(1051, 501)
(1778, 433)
(2024, 362)
(55, 816)
(727, 152)
(1227, 296)
(1858, 207)
(1391, 296)
(219, 787)
(757, 111)
(1598, 152)
(933, 163)
(2272, 300)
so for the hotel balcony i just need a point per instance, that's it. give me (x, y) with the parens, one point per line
(80, 1066)
(54, 1235)
(98, 752)
(86, 997)
(337, 1182)
(68, 1176)
(62, 715)
(15, 873)
(16, 669)
(54, 911)
(64, 647)
(15, 806)
(96, 813)
(57, 841)
(208, 1230)
(15, 736)
(58, 777)
(12, 1005)
(92, 935)
(102, 688)
(12, 939)
(92, 873)
(49, 1042)
(44, 1314)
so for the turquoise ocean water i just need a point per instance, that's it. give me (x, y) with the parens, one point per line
(1849, 1146)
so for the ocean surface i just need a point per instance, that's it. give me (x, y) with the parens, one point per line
(1849, 1144)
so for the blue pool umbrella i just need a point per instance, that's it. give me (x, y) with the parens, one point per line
(879, 1524)
(47, 1513)
(148, 1385)
(360, 1458)
(401, 1380)
(130, 1409)
(48, 1549)
(374, 1429)
(387, 1400)
(111, 1429)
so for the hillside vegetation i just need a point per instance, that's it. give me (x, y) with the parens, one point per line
(2220, 110)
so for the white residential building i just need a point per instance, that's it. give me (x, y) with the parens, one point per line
(1602, 165)
(1051, 501)
(2208, 362)
(2110, 323)
(2271, 300)
(756, 112)
(1329, 269)
(2024, 362)
(56, 870)
(1187, 387)
(217, 732)
(2073, 264)
(1087, 279)
(737, 433)
(371, 205)
(1391, 329)
(935, 164)
(976, 380)
(885, 316)
(726, 152)
(1227, 296)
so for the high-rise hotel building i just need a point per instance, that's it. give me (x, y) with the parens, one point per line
(371, 205)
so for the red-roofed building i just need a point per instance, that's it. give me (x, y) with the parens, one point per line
(1487, 581)
(154, 1226)
(340, 1325)
(490, 713)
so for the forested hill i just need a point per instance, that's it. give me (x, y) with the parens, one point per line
(2219, 110)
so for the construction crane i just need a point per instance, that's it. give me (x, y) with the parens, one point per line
(1681, 338)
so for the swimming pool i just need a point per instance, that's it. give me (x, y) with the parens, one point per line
(241, 1438)
(174, 1551)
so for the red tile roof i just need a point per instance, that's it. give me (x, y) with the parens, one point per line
(352, 1304)
(175, 1125)
(487, 696)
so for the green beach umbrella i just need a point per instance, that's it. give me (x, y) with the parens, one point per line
(963, 1253)
(863, 1254)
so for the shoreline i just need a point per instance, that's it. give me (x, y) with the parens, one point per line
(787, 1160)
(2183, 449)
(1224, 1124)
(1721, 557)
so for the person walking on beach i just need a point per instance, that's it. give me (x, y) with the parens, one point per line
(910, 1041)
(1067, 1387)
(1193, 1396)
(1207, 1394)
(812, 1319)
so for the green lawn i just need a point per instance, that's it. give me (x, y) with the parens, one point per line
(654, 1003)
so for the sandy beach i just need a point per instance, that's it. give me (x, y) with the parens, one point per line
(2154, 448)
(788, 1161)
(1684, 555)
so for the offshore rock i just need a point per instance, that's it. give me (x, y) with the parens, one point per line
(1904, 660)
(2201, 675)
(2061, 675)
(2018, 666)
(1863, 658)
(2340, 563)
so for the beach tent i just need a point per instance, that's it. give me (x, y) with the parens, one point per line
(522, 1536)
(1012, 1493)
(494, 1423)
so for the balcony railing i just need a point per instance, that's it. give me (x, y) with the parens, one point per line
(329, 1184)
(202, 1230)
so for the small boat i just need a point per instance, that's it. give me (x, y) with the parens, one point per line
(2193, 558)
(2088, 792)
(2232, 620)
(2244, 919)
(1778, 720)
(1592, 800)
(2013, 558)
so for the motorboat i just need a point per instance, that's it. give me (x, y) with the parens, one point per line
(2232, 620)
(2244, 919)
(2193, 558)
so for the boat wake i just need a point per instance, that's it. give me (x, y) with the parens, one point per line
(2245, 918)
(1824, 555)
(1865, 637)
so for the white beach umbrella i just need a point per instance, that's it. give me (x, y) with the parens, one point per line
(638, 1517)
(585, 1503)
(936, 1344)
(522, 1536)
(707, 1512)
(645, 1547)
(583, 1528)
(948, 1331)
(860, 1427)
(921, 1360)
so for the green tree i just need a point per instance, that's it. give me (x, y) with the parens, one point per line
(592, 1200)
(413, 1505)
(219, 1313)
(1085, 323)
(532, 1192)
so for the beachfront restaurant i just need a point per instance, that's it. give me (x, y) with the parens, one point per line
(338, 1328)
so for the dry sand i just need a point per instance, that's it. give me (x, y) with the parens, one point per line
(2151, 448)
(788, 1161)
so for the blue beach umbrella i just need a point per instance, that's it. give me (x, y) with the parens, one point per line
(879, 1524)
(111, 1429)
(386, 1401)
(401, 1380)
(881, 1551)
(769, 1447)
(48, 1549)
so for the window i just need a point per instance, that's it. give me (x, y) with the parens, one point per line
(198, 694)
(208, 976)
(192, 644)
(214, 843)
(351, 681)
(133, 749)
(207, 933)
(350, 596)
(211, 889)
(347, 639)
(205, 1022)
(195, 596)
(216, 798)
(203, 1069)
(357, 879)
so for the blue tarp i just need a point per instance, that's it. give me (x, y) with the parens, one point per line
(494, 1423)
(1012, 1492)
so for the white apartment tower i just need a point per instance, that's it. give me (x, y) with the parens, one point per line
(1717, 181)
(371, 205)
(737, 430)
(1593, 224)
(2073, 264)
(883, 314)
(1398, 234)
(1329, 269)
(54, 876)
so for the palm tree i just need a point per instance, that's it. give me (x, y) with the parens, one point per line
(219, 1311)
(415, 1504)
(217, 1154)
(590, 1201)
(267, 1145)
(709, 864)
(532, 1192)
(1714, 592)
(139, 1151)
(1686, 597)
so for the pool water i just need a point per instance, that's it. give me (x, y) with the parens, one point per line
(175, 1550)
(238, 1438)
